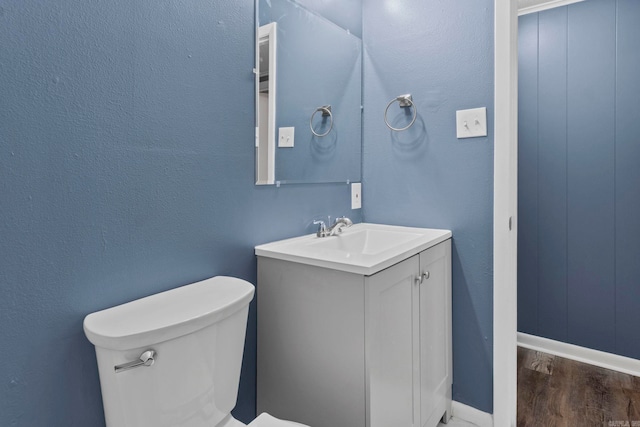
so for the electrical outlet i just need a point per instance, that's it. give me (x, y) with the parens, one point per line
(356, 195)
(471, 123)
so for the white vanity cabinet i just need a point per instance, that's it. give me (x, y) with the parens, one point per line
(344, 349)
(408, 341)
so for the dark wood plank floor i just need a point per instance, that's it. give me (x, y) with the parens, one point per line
(554, 391)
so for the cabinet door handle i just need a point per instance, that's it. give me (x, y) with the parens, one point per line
(422, 277)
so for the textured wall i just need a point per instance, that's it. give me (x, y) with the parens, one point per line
(442, 53)
(579, 234)
(126, 168)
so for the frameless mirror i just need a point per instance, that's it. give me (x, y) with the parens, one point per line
(308, 95)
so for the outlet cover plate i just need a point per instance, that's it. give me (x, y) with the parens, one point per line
(356, 195)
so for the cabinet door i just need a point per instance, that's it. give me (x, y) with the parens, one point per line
(435, 328)
(391, 335)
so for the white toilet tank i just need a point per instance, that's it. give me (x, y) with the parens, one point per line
(196, 333)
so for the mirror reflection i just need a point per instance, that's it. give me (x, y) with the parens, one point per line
(308, 101)
(266, 104)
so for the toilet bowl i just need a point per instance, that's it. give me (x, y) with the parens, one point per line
(173, 359)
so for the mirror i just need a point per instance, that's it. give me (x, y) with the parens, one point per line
(308, 95)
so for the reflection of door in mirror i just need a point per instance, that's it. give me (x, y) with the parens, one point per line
(266, 111)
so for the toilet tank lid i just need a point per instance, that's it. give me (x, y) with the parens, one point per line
(168, 314)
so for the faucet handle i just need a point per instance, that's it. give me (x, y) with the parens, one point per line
(322, 229)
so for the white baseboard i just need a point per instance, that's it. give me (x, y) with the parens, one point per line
(605, 360)
(471, 415)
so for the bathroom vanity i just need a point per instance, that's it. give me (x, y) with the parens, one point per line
(355, 330)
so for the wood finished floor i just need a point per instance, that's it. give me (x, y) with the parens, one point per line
(554, 391)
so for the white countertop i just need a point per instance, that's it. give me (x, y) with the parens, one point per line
(362, 248)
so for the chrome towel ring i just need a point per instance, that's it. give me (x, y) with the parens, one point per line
(326, 111)
(404, 101)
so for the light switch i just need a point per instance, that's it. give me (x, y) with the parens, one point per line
(285, 137)
(471, 123)
(356, 195)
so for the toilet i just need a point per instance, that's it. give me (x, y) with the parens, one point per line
(173, 359)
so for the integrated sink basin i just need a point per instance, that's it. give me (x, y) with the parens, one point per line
(362, 248)
(365, 241)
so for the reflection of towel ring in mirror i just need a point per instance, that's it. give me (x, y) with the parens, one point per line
(326, 111)
(404, 101)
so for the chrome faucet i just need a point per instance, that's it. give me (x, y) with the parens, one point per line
(336, 228)
(342, 222)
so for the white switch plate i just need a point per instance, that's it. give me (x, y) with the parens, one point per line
(285, 137)
(471, 123)
(356, 195)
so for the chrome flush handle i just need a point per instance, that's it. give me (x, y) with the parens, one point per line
(146, 359)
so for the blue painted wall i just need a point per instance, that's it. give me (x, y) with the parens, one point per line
(579, 234)
(442, 53)
(126, 168)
